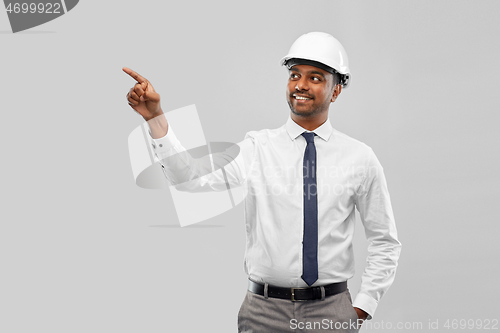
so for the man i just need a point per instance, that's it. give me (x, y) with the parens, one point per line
(303, 183)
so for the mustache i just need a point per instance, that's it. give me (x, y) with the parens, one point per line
(303, 94)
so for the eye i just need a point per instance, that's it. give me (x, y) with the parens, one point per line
(316, 79)
(294, 76)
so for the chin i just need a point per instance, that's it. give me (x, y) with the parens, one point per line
(301, 114)
(304, 113)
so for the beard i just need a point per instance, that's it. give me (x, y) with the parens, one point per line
(310, 113)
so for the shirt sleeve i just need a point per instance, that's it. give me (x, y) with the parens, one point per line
(374, 205)
(198, 170)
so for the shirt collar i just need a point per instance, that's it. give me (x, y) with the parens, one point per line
(294, 130)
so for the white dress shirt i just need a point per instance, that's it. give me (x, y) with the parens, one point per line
(269, 166)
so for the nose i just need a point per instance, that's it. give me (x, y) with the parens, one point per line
(302, 84)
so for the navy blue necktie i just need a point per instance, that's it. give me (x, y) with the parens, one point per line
(310, 241)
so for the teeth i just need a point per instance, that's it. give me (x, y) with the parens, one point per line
(299, 97)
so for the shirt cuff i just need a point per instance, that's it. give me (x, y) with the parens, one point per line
(365, 303)
(164, 144)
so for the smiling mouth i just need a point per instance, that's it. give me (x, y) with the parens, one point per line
(301, 98)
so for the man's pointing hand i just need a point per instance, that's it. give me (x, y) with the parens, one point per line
(142, 97)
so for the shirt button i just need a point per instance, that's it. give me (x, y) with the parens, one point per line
(161, 145)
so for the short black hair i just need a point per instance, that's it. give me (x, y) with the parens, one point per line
(337, 78)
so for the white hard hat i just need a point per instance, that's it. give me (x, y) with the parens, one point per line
(323, 48)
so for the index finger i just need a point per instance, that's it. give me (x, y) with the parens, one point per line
(135, 75)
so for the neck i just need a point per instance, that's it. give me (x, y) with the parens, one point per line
(309, 124)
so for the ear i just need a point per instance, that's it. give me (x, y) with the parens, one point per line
(336, 92)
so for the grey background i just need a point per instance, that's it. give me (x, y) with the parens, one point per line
(83, 249)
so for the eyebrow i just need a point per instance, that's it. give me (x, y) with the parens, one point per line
(311, 72)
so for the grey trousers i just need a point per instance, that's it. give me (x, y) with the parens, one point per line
(273, 315)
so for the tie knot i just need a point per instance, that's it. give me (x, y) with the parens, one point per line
(309, 136)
